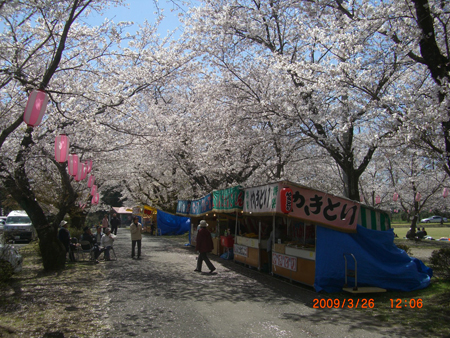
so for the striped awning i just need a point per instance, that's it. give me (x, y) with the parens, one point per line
(373, 219)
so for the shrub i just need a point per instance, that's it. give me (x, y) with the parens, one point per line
(405, 247)
(440, 262)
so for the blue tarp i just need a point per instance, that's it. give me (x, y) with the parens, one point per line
(379, 262)
(172, 224)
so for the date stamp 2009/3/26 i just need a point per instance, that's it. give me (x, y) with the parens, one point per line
(364, 303)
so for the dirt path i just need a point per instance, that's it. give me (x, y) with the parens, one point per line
(161, 296)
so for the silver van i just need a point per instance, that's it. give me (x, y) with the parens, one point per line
(18, 227)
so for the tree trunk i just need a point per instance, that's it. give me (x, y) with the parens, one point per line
(52, 250)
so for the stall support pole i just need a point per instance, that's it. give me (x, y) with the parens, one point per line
(259, 243)
(235, 233)
(273, 246)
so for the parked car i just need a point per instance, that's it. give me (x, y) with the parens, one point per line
(433, 219)
(18, 227)
(10, 261)
(2, 222)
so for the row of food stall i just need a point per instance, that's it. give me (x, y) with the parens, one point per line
(243, 219)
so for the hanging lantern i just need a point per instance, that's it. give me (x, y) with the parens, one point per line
(88, 166)
(418, 197)
(95, 198)
(445, 193)
(91, 181)
(81, 172)
(93, 190)
(35, 109)
(377, 200)
(61, 148)
(395, 197)
(286, 200)
(361, 198)
(73, 164)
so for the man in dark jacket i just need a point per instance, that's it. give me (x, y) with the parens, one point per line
(115, 222)
(204, 244)
(64, 237)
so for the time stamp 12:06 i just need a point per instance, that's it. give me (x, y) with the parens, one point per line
(365, 303)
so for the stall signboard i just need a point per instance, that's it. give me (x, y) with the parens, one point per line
(325, 209)
(240, 250)
(183, 207)
(313, 206)
(262, 199)
(201, 206)
(283, 261)
(228, 200)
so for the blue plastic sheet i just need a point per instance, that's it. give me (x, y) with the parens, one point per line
(379, 262)
(172, 224)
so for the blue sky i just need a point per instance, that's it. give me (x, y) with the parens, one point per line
(138, 11)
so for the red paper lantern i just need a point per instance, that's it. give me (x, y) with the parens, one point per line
(35, 109)
(377, 200)
(395, 197)
(73, 164)
(445, 193)
(91, 181)
(61, 148)
(93, 190)
(88, 166)
(286, 200)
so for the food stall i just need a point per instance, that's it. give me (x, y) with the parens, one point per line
(147, 217)
(295, 212)
(197, 210)
(220, 210)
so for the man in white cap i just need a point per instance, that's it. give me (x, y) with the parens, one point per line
(204, 244)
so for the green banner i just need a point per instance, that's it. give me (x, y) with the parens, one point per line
(228, 200)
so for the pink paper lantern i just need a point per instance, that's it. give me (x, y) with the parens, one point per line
(61, 148)
(445, 193)
(81, 172)
(35, 109)
(95, 199)
(395, 197)
(89, 166)
(73, 164)
(93, 190)
(377, 200)
(91, 181)
(418, 197)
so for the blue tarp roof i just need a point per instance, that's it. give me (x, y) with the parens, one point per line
(172, 224)
(379, 262)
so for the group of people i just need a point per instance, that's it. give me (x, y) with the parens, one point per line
(420, 233)
(102, 241)
(98, 243)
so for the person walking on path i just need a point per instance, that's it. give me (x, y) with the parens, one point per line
(107, 243)
(105, 223)
(115, 223)
(136, 237)
(204, 244)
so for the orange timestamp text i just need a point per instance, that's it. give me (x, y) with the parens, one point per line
(363, 303)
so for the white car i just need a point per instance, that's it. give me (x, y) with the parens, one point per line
(18, 227)
(433, 219)
(10, 261)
